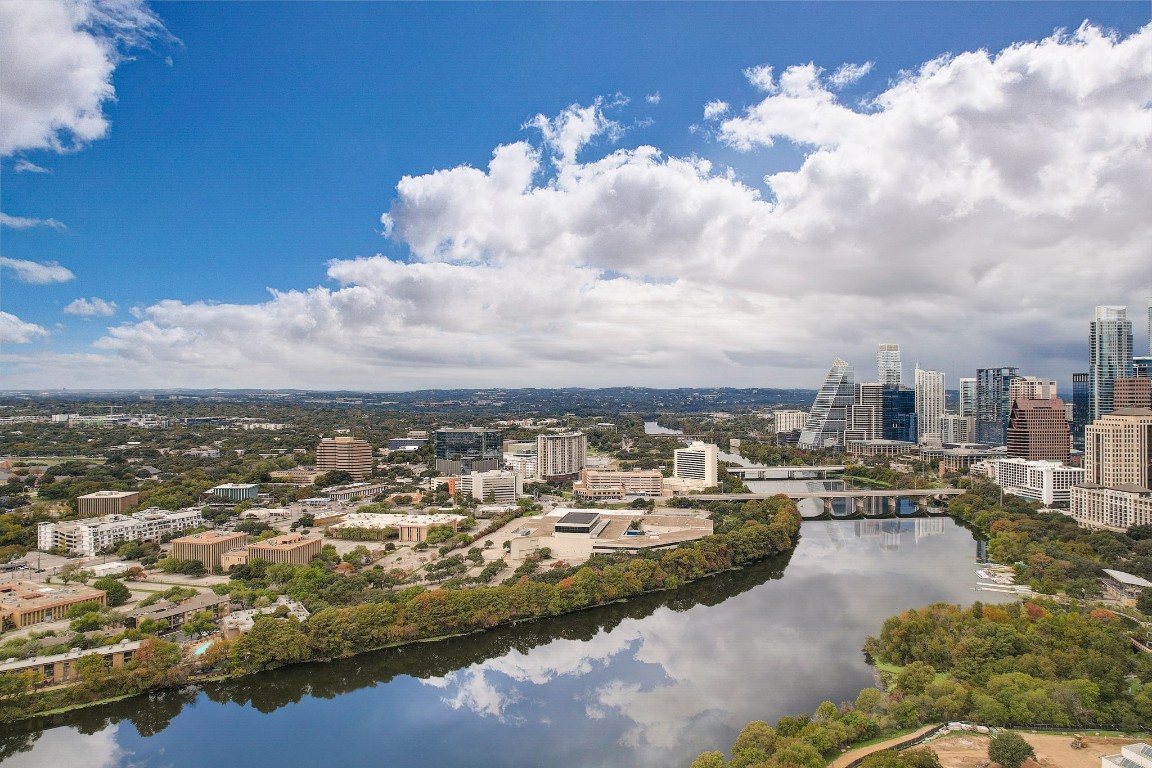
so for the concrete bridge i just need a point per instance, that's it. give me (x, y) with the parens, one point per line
(785, 472)
(869, 503)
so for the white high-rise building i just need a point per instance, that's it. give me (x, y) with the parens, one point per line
(968, 396)
(929, 405)
(830, 410)
(866, 419)
(497, 486)
(786, 421)
(698, 461)
(957, 429)
(888, 364)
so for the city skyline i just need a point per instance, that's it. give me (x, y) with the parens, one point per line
(390, 197)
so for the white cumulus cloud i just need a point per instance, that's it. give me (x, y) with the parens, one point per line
(13, 330)
(94, 307)
(653, 98)
(36, 273)
(27, 166)
(58, 57)
(23, 222)
(975, 211)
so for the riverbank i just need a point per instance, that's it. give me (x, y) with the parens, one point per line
(418, 616)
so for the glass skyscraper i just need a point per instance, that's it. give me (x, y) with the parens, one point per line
(993, 403)
(829, 415)
(1081, 385)
(888, 364)
(1109, 357)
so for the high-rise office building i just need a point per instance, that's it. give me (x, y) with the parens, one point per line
(561, 456)
(463, 451)
(993, 403)
(1116, 491)
(344, 454)
(957, 429)
(1131, 393)
(900, 414)
(968, 397)
(1142, 366)
(1038, 430)
(1109, 357)
(1081, 385)
(929, 404)
(888, 364)
(829, 415)
(866, 421)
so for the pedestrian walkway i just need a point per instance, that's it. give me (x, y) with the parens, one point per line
(848, 757)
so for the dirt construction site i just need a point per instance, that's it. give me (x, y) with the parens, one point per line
(1053, 750)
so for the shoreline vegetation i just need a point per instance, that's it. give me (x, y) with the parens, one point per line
(745, 533)
(1054, 660)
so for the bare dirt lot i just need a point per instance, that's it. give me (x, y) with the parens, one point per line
(969, 750)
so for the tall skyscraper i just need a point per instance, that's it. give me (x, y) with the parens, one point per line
(829, 415)
(1081, 386)
(867, 416)
(1150, 326)
(888, 364)
(993, 403)
(1109, 357)
(1038, 430)
(1032, 388)
(967, 397)
(900, 414)
(1142, 366)
(929, 404)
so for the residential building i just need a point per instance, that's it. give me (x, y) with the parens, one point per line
(605, 484)
(1081, 410)
(1132, 393)
(929, 405)
(106, 503)
(899, 409)
(176, 615)
(90, 536)
(968, 397)
(699, 461)
(787, 421)
(560, 456)
(1048, 482)
(411, 529)
(1109, 357)
(354, 491)
(206, 547)
(1038, 429)
(292, 548)
(1032, 388)
(957, 429)
(1116, 491)
(61, 668)
(236, 492)
(498, 486)
(993, 403)
(23, 603)
(461, 451)
(888, 365)
(828, 418)
(344, 454)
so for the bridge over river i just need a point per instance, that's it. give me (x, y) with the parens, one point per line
(862, 503)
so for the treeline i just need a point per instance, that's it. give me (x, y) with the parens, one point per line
(1017, 664)
(1050, 551)
(764, 529)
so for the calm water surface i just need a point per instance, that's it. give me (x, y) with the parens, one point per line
(650, 682)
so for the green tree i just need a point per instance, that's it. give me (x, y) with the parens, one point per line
(915, 677)
(1009, 749)
(1144, 601)
(118, 594)
(711, 759)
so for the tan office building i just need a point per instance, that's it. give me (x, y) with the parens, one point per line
(1117, 491)
(1131, 393)
(23, 603)
(106, 503)
(602, 484)
(289, 548)
(207, 547)
(344, 454)
(1038, 431)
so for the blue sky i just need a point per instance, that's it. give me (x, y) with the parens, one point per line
(251, 147)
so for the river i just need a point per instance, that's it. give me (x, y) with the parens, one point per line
(650, 682)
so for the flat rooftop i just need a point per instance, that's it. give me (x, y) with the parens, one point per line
(210, 537)
(28, 595)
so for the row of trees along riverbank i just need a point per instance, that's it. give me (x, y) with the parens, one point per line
(385, 615)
